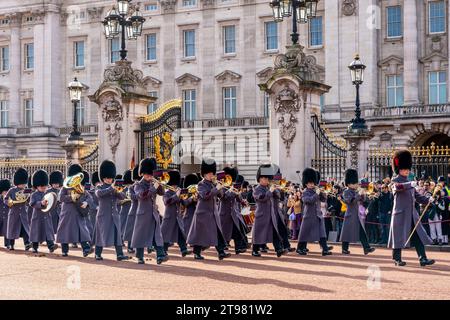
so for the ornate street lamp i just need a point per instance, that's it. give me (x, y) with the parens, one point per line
(117, 22)
(357, 75)
(300, 10)
(75, 89)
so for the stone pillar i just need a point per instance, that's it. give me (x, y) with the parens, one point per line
(410, 53)
(358, 151)
(15, 72)
(295, 96)
(39, 71)
(73, 150)
(122, 99)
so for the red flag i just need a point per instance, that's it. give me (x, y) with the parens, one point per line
(133, 162)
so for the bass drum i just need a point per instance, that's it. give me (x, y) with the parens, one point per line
(247, 215)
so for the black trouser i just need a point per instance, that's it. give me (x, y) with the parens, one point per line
(284, 233)
(6, 241)
(50, 244)
(328, 225)
(181, 242)
(221, 244)
(23, 234)
(362, 237)
(322, 242)
(119, 250)
(85, 245)
(277, 243)
(238, 237)
(159, 252)
(415, 242)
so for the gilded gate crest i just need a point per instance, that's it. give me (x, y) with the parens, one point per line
(163, 149)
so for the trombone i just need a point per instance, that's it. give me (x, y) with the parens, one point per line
(281, 185)
(226, 181)
(190, 191)
(163, 178)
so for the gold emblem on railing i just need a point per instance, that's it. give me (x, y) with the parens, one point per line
(175, 103)
(163, 149)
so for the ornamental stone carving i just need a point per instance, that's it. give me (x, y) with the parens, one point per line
(348, 7)
(296, 62)
(168, 6)
(113, 131)
(112, 111)
(353, 155)
(122, 71)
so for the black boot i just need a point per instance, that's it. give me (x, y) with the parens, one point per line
(368, 250)
(28, 246)
(184, 253)
(238, 251)
(223, 255)
(345, 251)
(256, 254)
(302, 252)
(326, 253)
(98, 258)
(122, 257)
(141, 261)
(426, 262)
(131, 250)
(160, 260)
(198, 256)
(35, 251)
(53, 248)
(399, 263)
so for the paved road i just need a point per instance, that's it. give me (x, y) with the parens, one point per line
(50, 276)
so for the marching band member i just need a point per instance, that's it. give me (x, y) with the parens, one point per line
(404, 214)
(107, 227)
(56, 181)
(265, 227)
(86, 184)
(129, 224)
(125, 204)
(18, 223)
(312, 227)
(72, 226)
(29, 208)
(93, 209)
(205, 229)
(172, 227)
(147, 228)
(229, 222)
(353, 229)
(190, 203)
(240, 202)
(5, 185)
(41, 227)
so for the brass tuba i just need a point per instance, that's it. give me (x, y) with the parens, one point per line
(74, 182)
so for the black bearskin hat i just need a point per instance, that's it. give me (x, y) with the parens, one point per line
(119, 177)
(20, 176)
(39, 179)
(208, 165)
(174, 178)
(146, 166)
(56, 177)
(265, 171)
(107, 169)
(351, 176)
(233, 172)
(240, 179)
(86, 178)
(5, 185)
(74, 169)
(135, 174)
(402, 160)
(95, 178)
(190, 179)
(127, 177)
(245, 184)
(309, 175)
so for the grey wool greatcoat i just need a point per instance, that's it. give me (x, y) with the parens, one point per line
(172, 219)
(147, 222)
(227, 214)
(108, 217)
(206, 219)
(41, 227)
(313, 226)
(3, 219)
(55, 212)
(404, 214)
(129, 224)
(72, 226)
(124, 208)
(265, 216)
(190, 205)
(17, 217)
(93, 209)
(352, 222)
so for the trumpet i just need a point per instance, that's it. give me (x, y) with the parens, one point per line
(281, 185)
(118, 185)
(74, 183)
(190, 191)
(22, 196)
(163, 178)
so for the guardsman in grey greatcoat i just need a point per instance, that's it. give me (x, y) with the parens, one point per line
(205, 229)
(72, 226)
(5, 185)
(107, 227)
(29, 208)
(18, 223)
(312, 227)
(95, 181)
(190, 203)
(125, 204)
(239, 203)
(41, 227)
(353, 229)
(129, 224)
(404, 214)
(172, 227)
(147, 228)
(87, 187)
(265, 227)
(56, 181)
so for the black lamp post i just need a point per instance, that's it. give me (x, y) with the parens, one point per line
(300, 10)
(117, 22)
(357, 74)
(75, 89)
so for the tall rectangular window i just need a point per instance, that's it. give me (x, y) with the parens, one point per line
(437, 85)
(394, 22)
(114, 46)
(28, 108)
(271, 35)
(436, 19)
(189, 104)
(189, 3)
(81, 112)
(79, 53)
(4, 58)
(29, 56)
(266, 104)
(394, 88)
(152, 107)
(189, 43)
(151, 46)
(229, 102)
(151, 7)
(229, 39)
(4, 114)
(315, 32)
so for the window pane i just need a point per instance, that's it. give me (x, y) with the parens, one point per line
(189, 43)
(229, 39)
(5, 58)
(151, 46)
(29, 56)
(394, 21)
(115, 50)
(437, 16)
(79, 54)
(315, 31)
(271, 35)
(400, 99)
(189, 104)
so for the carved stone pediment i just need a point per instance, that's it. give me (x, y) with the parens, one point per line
(187, 78)
(228, 75)
(95, 13)
(294, 61)
(265, 73)
(391, 65)
(435, 56)
(152, 82)
(168, 6)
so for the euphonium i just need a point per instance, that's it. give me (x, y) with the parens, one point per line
(21, 197)
(74, 182)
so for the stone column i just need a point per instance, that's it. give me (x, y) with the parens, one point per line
(15, 72)
(39, 70)
(410, 53)
(358, 151)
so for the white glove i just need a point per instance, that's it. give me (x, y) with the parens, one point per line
(219, 186)
(178, 193)
(318, 191)
(413, 184)
(431, 199)
(84, 204)
(156, 185)
(272, 188)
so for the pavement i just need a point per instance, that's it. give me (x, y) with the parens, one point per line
(24, 275)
